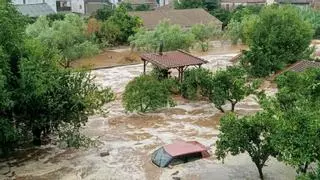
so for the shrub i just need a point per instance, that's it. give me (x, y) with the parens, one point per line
(145, 93)
(196, 82)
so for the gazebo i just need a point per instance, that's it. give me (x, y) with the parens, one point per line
(179, 60)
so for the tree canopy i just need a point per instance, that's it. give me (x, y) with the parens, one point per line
(44, 95)
(279, 36)
(68, 36)
(172, 36)
(145, 93)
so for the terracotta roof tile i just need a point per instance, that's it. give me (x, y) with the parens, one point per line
(303, 65)
(173, 59)
(183, 17)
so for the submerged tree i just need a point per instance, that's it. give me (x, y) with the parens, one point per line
(145, 93)
(298, 128)
(251, 134)
(231, 85)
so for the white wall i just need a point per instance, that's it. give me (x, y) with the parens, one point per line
(77, 6)
(17, 1)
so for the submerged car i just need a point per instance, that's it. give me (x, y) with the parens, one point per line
(179, 152)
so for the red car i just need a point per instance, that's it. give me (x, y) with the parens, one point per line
(179, 152)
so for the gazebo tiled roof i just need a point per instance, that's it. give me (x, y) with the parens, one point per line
(303, 65)
(172, 59)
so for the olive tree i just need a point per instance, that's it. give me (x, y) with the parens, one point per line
(172, 36)
(146, 93)
(204, 33)
(250, 134)
(69, 36)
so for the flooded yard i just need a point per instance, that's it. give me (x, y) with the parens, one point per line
(128, 139)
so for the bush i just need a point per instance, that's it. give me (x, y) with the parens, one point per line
(104, 13)
(159, 73)
(145, 93)
(196, 82)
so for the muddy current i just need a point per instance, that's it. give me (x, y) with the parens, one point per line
(126, 141)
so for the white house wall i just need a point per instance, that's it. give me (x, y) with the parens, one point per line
(77, 6)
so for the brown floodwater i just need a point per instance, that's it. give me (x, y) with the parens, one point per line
(128, 139)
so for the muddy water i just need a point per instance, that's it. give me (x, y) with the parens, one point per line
(130, 139)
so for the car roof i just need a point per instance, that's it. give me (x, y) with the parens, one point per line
(184, 147)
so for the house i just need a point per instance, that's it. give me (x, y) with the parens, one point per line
(232, 4)
(36, 8)
(90, 6)
(135, 3)
(183, 17)
(302, 3)
(63, 5)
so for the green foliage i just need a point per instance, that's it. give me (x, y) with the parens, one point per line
(196, 82)
(127, 24)
(251, 134)
(37, 96)
(209, 5)
(313, 175)
(223, 15)
(204, 33)
(173, 85)
(56, 17)
(68, 36)
(159, 73)
(146, 93)
(187, 4)
(143, 7)
(313, 17)
(109, 33)
(173, 38)
(243, 11)
(298, 128)
(70, 136)
(230, 85)
(104, 13)
(278, 37)
(234, 31)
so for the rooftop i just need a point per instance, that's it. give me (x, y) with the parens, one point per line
(184, 147)
(172, 59)
(295, 1)
(35, 10)
(303, 65)
(182, 17)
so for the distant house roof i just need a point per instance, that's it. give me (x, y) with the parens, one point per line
(243, 1)
(295, 1)
(35, 10)
(172, 59)
(183, 17)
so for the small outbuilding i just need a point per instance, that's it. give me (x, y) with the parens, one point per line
(179, 60)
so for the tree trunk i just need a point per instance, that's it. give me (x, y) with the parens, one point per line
(36, 136)
(259, 167)
(304, 168)
(260, 172)
(233, 105)
(220, 108)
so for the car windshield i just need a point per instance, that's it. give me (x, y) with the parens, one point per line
(161, 158)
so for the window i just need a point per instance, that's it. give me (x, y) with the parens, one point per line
(80, 7)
